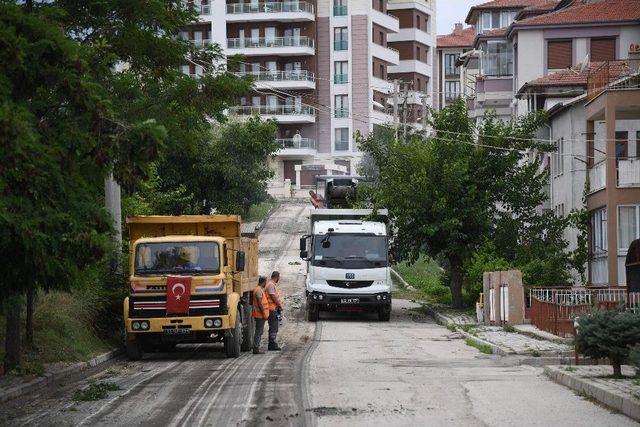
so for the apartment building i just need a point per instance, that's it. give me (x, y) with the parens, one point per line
(323, 71)
(451, 81)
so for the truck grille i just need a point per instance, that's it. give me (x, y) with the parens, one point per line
(350, 284)
(199, 305)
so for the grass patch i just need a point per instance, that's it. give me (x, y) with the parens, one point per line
(95, 391)
(65, 330)
(483, 348)
(509, 328)
(569, 369)
(260, 211)
(425, 277)
(452, 327)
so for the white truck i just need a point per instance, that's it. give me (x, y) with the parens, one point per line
(347, 254)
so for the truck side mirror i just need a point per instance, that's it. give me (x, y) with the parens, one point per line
(240, 260)
(303, 243)
(304, 254)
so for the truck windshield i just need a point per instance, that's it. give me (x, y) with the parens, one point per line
(177, 258)
(345, 250)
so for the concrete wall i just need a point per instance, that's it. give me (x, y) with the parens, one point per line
(361, 93)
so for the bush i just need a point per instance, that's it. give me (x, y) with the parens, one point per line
(634, 357)
(484, 260)
(608, 334)
(550, 271)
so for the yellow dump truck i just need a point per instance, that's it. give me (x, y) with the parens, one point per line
(191, 281)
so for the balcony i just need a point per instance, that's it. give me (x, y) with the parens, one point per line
(296, 147)
(280, 113)
(387, 54)
(381, 85)
(201, 42)
(411, 66)
(629, 172)
(340, 10)
(266, 46)
(412, 34)
(288, 11)
(598, 176)
(387, 21)
(295, 79)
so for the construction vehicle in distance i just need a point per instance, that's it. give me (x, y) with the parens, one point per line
(190, 281)
(348, 269)
(335, 191)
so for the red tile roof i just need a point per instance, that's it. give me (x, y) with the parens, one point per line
(502, 4)
(596, 11)
(498, 32)
(573, 76)
(463, 39)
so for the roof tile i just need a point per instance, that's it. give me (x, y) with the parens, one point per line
(463, 39)
(596, 11)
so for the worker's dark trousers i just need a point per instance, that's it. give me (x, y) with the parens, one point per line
(273, 326)
(257, 335)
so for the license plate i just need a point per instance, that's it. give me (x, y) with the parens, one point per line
(349, 300)
(177, 331)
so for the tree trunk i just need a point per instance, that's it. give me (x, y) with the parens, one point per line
(617, 369)
(455, 285)
(12, 338)
(31, 296)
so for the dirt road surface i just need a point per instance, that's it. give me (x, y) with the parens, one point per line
(344, 370)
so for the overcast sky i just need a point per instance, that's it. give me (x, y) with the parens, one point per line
(451, 11)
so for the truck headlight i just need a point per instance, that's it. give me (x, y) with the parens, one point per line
(320, 297)
(315, 296)
(208, 323)
(217, 322)
(135, 326)
(378, 297)
(144, 325)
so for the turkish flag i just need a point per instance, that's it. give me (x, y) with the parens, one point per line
(178, 294)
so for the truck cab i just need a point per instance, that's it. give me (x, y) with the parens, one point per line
(347, 262)
(190, 282)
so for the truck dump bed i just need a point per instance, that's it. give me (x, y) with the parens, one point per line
(227, 226)
(382, 215)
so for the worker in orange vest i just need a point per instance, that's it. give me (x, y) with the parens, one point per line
(275, 309)
(260, 312)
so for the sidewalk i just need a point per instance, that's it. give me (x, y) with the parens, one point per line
(524, 340)
(596, 383)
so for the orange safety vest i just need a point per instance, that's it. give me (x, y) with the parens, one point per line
(273, 299)
(263, 302)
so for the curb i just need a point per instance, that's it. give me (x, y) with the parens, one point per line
(611, 398)
(495, 348)
(404, 282)
(52, 377)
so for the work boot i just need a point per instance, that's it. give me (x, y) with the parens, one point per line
(256, 350)
(273, 346)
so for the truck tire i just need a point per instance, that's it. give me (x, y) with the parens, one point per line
(248, 328)
(384, 314)
(313, 313)
(233, 339)
(133, 349)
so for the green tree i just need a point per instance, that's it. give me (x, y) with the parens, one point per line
(447, 191)
(609, 334)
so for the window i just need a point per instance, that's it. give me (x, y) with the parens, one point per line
(451, 89)
(382, 73)
(341, 106)
(637, 154)
(599, 232)
(418, 53)
(559, 54)
(557, 165)
(450, 63)
(342, 139)
(497, 59)
(382, 38)
(339, 7)
(496, 19)
(340, 72)
(622, 138)
(340, 38)
(603, 49)
(418, 21)
(558, 210)
(418, 84)
(628, 219)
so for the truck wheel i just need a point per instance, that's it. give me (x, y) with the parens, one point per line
(233, 339)
(313, 313)
(133, 348)
(248, 328)
(384, 314)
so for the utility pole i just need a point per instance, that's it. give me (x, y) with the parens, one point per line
(395, 106)
(113, 205)
(424, 97)
(405, 96)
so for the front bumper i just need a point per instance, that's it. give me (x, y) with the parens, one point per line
(176, 325)
(349, 300)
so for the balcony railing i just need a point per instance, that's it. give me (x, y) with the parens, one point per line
(205, 9)
(299, 143)
(340, 45)
(266, 42)
(201, 42)
(340, 10)
(270, 7)
(598, 176)
(629, 172)
(341, 79)
(278, 110)
(341, 113)
(279, 76)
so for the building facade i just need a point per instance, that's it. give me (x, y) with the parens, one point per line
(324, 71)
(451, 81)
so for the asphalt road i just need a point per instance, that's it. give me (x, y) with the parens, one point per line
(344, 370)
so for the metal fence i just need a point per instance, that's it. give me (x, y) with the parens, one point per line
(555, 309)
